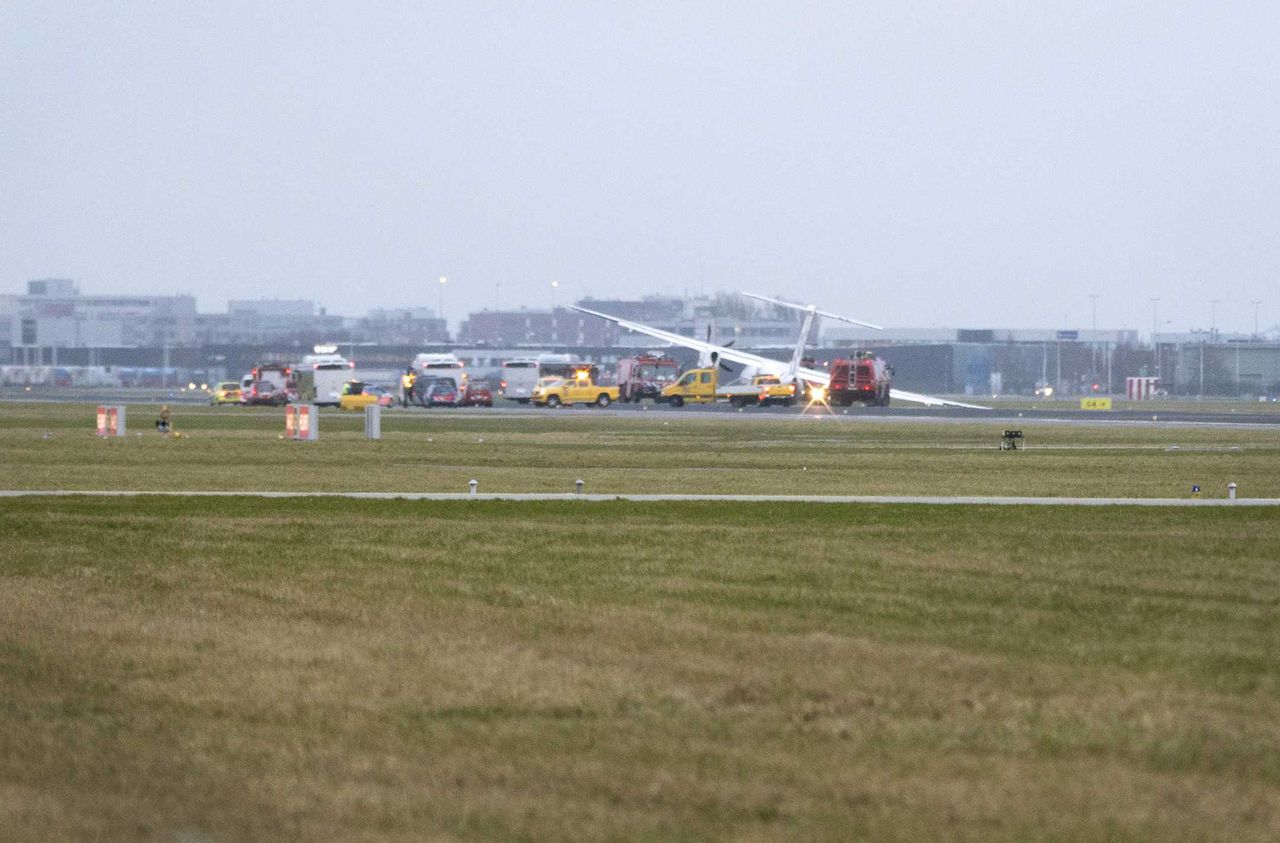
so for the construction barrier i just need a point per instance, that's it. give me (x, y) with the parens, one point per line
(111, 419)
(1140, 388)
(301, 422)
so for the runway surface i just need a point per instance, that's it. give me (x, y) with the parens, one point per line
(1061, 412)
(929, 500)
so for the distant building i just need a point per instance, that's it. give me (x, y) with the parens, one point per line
(725, 318)
(400, 326)
(269, 320)
(838, 335)
(53, 314)
(524, 327)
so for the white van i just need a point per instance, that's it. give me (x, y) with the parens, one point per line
(434, 367)
(328, 373)
(519, 377)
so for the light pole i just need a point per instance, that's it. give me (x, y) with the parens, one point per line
(1093, 340)
(1155, 346)
(1213, 319)
(555, 285)
(1255, 304)
(440, 308)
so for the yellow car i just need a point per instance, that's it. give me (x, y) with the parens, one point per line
(227, 392)
(355, 397)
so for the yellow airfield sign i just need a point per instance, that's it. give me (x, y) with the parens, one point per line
(1095, 403)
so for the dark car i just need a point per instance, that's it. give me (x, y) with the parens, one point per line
(264, 392)
(476, 394)
(442, 392)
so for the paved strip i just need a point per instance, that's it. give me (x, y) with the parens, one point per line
(931, 500)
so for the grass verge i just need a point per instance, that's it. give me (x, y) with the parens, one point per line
(489, 670)
(50, 446)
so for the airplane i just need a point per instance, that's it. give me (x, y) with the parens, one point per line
(787, 371)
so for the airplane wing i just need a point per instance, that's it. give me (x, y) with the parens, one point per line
(931, 401)
(821, 378)
(767, 364)
(804, 309)
(764, 364)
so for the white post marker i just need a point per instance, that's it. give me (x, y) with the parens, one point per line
(474, 485)
(301, 422)
(577, 487)
(111, 420)
(308, 423)
(1231, 491)
(373, 421)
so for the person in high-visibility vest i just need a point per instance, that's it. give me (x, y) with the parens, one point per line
(406, 387)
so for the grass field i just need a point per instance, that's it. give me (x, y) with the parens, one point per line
(48, 446)
(231, 668)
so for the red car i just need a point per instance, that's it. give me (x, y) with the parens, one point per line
(476, 395)
(264, 392)
(441, 393)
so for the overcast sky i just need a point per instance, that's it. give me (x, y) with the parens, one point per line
(948, 164)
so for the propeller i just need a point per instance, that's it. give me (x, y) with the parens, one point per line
(714, 357)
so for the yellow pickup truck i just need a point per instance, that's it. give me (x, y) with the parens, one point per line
(702, 386)
(355, 396)
(555, 392)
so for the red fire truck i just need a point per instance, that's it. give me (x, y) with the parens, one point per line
(644, 376)
(865, 378)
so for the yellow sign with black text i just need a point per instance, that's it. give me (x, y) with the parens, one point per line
(1095, 403)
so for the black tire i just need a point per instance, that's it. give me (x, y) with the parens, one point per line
(603, 400)
(553, 401)
(677, 401)
(737, 401)
(788, 402)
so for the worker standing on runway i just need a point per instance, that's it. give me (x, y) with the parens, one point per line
(407, 381)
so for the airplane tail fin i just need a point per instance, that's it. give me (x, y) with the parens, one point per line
(797, 356)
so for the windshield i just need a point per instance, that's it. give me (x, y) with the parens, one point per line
(651, 372)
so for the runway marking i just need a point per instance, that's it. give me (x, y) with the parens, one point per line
(930, 500)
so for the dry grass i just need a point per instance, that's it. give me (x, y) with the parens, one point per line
(221, 669)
